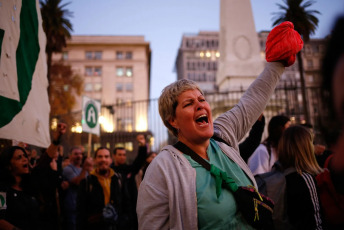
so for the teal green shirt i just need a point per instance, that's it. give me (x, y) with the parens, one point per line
(213, 212)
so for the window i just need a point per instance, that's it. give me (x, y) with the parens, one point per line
(129, 72)
(125, 124)
(308, 49)
(97, 87)
(97, 71)
(210, 66)
(129, 87)
(124, 71)
(119, 87)
(93, 71)
(88, 55)
(120, 125)
(119, 55)
(120, 71)
(309, 63)
(119, 101)
(65, 55)
(97, 55)
(88, 87)
(128, 103)
(129, 55)
(316, 48)
(88, 71)
(188, 43)
(129, 146)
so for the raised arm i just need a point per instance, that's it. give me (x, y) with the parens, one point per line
(282, 44)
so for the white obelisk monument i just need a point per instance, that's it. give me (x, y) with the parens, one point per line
(240, 59)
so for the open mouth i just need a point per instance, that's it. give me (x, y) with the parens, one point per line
(25, 166)
(203, 119)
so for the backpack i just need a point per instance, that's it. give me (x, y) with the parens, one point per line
(273, 184)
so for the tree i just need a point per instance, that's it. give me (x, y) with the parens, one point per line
(65, 86)
(57, 28)
(305, 22)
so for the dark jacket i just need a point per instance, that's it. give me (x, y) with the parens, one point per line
(46, 182)
(20, 208)
(128, 173)
(249, 145)
(90, 204)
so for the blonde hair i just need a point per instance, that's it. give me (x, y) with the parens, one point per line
(296, 149)
(168, 100)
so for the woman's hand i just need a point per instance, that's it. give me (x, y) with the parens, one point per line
(283, 43)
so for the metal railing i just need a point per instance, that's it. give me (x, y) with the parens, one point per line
(143, 117)
(286, 100)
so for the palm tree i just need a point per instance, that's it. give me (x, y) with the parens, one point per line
(305, 22)
(57, 28)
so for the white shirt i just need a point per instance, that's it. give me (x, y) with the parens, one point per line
(261, 161)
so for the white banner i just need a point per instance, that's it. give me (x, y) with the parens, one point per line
(90, 115)
(24, 104)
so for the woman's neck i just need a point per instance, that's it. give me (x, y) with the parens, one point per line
(17, 182)
(200, 148)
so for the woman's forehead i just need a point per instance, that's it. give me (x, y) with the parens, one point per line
(19, 152)
(190, 94)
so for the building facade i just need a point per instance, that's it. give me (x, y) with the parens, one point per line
(115, 71)
(198, 57)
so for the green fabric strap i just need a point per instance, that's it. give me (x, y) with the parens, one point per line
(222, 177)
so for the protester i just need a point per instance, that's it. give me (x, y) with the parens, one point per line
(331, 181)
(73, 174)
(178, 193)
(33, 159)
(65, 162)
(141, 174)
(47, 180)
(120, 159)
(250, 144)
(101, 203)
(296, 151)
(18, 206)
(265, 156)
(127, 173)
(320, 151)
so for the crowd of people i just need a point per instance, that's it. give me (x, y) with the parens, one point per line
(175, 190)
(70, 192)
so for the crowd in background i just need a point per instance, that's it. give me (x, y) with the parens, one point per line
(70, 191)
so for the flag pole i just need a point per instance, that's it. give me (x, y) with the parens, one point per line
(89, 144)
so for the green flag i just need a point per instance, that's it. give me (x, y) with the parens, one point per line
(24, 104)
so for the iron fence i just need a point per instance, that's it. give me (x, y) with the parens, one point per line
(286, 100)
(135, 117)
(131, 118)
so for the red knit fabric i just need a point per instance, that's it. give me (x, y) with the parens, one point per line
(283, 43)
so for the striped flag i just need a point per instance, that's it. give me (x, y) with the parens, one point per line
(24, 104)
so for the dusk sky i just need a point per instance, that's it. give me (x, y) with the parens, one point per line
(163, 23)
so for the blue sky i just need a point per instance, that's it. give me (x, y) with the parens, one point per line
(163, 23)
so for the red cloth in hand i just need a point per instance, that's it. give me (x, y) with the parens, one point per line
(283, 43)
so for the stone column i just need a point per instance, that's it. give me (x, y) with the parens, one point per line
(240, 59)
